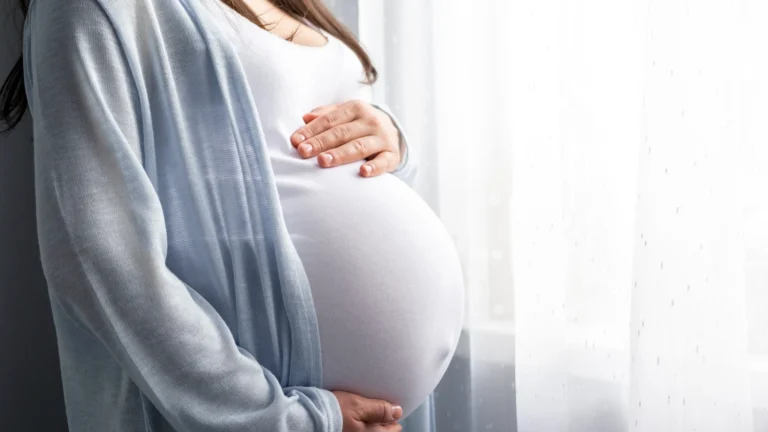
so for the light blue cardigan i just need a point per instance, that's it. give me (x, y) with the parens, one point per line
(179, 300)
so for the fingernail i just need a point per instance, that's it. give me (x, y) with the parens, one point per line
(299, 138)
(397, 412)
(326, 158)
(367, 169)
(306, 149)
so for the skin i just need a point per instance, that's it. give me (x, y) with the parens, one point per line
(350, 132)
(342, 133)
(368, 415)
(337, 135)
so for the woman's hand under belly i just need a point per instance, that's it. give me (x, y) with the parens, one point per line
(385, 278)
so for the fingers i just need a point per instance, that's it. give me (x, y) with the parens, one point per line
(356, 150)
(309, 117)
(323, 109)
(317, 112)
(384, 162)
(333, 138)
(391, 427)
(361, 414)
(378, 411)
(350, 132)
(336, 116)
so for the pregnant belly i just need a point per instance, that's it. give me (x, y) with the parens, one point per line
(385, 279)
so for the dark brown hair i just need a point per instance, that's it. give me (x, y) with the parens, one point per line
(13, 99)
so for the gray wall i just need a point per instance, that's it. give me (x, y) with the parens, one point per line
(30, 383)
(346, 11)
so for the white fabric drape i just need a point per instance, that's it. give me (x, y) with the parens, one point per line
(602, 167)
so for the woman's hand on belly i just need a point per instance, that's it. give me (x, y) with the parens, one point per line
(367, 415)
(350, 132)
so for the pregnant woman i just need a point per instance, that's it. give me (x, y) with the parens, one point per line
(215, 259)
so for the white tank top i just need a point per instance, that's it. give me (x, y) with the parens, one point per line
(384, 274)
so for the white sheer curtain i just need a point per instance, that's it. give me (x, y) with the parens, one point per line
(601, 165)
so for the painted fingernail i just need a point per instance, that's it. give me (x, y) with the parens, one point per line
(367, 169)
(299, 138)
(306, 149)
(326, 158)
(397, 412)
